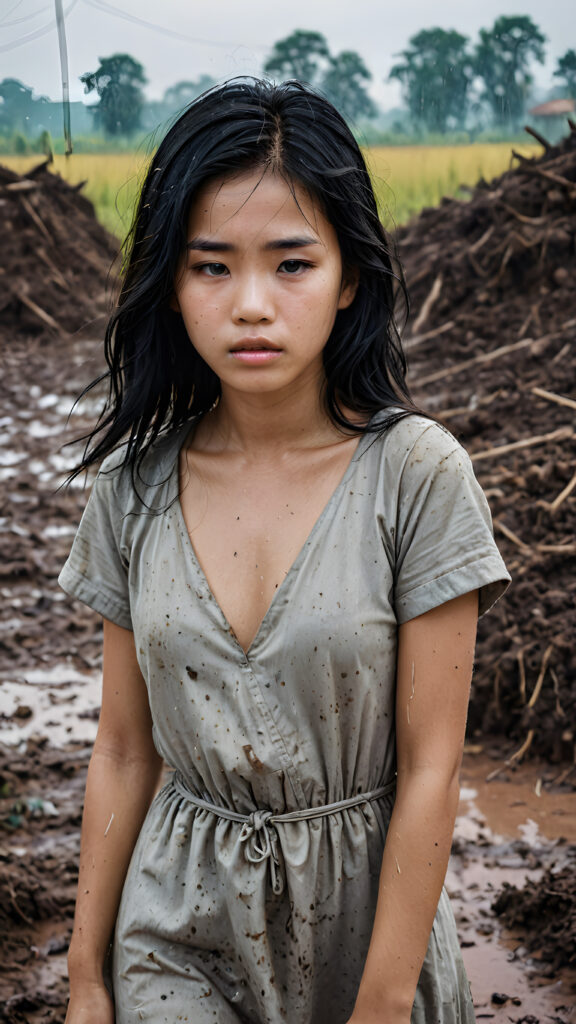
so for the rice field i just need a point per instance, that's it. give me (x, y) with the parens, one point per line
(406, 178)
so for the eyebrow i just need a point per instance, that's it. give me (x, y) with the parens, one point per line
(209, 245)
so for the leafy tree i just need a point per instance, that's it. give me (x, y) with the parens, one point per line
(182, 93)
(306, 57)
(17, 106)
(436, 75)
(566, 69)
(344, 83)
(118, 82)
(502, 60)
(301, 55)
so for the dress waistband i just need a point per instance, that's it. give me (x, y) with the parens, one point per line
(258, 831)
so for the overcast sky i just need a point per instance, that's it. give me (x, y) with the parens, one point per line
(223, 38)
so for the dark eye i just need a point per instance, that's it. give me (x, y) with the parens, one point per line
(214, 269)
(293, 266)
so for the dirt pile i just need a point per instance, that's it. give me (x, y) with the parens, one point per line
(492, 281)
(55, 258)
(544, 912)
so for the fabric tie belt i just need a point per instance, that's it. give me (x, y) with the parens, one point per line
(258, 833)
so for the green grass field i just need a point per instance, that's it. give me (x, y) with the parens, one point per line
(406, 178)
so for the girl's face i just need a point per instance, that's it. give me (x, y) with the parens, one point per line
(261, 283)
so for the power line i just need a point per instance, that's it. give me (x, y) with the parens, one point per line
(108, 8)
(37, 32)
(20, 21)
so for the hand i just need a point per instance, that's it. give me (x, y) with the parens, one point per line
(90, 1005)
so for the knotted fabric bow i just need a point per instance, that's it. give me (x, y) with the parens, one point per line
(259, 834)
(261, 839)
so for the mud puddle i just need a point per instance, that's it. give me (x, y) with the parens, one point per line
(508, 831)
(59, 703)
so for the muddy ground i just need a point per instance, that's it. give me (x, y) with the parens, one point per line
(511, 876)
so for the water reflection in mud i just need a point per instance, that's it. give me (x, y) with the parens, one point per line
(508, 830)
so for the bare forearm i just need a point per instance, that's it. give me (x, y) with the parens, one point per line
(413, 870)
(434, 668)
(118, 793)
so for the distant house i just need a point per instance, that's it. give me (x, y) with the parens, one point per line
(554, 108)
(551, 117)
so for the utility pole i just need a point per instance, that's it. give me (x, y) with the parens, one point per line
(61, 27)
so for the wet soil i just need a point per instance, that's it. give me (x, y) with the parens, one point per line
(510, 832)
(40, 812)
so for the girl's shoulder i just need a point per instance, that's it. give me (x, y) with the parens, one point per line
(149, 482)
(413, 439)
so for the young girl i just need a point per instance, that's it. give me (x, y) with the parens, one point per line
(290, 562)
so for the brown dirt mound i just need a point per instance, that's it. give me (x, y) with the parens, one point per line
(544, 912)
(492, 281)
(55, 258)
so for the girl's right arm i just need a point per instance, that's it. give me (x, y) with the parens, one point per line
(122, 778)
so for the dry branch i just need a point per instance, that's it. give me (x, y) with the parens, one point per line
(39, 312)
(551, 397)
(484, 357)
(542, 673)
(428, 303)
(539, 138)
(522, 750)
(418, 339)
(21, 186)
(563, 495)
(37, 220)
(511, 535)
(557, 179)
(521, 675)
(556, 549)
(460, 410)
(562, 434)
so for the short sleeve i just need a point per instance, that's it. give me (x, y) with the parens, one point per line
(444, 544)
(96, 571)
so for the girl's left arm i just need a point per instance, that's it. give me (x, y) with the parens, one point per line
(435, 658)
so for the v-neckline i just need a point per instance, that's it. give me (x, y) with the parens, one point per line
(332, 500)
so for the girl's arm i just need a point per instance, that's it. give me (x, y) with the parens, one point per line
(122, 777)
(435, 657)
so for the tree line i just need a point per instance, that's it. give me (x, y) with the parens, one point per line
(447, 81)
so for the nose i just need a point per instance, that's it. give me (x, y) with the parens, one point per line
(253, 303)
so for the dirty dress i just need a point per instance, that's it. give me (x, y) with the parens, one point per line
(228, 914)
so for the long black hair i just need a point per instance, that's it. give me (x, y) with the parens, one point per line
(157, 381)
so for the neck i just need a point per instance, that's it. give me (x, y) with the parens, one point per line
(265, 424)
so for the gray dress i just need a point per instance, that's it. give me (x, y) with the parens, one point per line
(238, 905)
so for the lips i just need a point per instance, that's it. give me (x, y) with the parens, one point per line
(254, 345)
